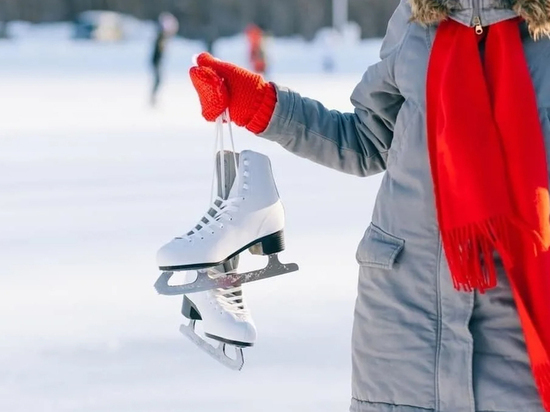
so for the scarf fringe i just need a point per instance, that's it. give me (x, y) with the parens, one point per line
(470, 251)
(542, 379)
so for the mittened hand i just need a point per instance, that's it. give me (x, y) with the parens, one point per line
(213, 94)
(221, 85)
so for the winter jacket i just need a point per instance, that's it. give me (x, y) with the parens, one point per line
(418, 344)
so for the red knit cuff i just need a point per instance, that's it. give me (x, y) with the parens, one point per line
(261, 118)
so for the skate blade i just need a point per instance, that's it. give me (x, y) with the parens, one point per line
(230, 342)
(218, 353)
(204, 282)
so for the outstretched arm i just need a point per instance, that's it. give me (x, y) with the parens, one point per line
(355, 143)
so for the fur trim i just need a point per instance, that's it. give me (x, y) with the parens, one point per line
(432, 11)
(535, 12)
(537, 15)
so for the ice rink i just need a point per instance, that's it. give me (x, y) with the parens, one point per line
(93, 181)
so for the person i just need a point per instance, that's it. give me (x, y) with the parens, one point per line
(166, 27)
(3, 30)
(452, 310)
(256, 46)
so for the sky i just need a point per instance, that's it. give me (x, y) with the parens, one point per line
(93, 181)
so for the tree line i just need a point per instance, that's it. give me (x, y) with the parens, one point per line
(211, 19)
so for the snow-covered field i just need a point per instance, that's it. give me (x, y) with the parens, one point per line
(93, 181)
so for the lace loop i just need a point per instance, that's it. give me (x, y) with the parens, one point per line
(230, 299)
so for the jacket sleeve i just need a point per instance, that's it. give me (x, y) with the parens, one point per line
(356, 143)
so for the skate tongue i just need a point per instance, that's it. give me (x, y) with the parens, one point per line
(229, 172)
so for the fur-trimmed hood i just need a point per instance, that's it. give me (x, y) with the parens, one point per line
(536, 13)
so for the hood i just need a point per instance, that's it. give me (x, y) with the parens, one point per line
(536, 13)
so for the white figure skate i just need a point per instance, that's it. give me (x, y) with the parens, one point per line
(251, 217)
(225, 318)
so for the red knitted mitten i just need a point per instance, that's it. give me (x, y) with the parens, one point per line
(220, 85)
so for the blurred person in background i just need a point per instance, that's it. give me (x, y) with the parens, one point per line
(3, 30)
(452, 311)
(167, 26)
(256, 49)
(330, 41)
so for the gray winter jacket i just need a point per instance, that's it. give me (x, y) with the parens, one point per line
(418, 345)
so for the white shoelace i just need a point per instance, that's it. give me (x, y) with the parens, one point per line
(220, 210)
(219, 145)
(230, 299)
(220, 206)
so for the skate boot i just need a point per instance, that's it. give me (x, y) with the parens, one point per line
(225, 318)
(224, 314)
(250, 217)
(251, 214)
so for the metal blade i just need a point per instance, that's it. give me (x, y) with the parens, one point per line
(217, 353)
(204, 282)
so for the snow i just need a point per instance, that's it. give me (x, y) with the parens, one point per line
(93, 181)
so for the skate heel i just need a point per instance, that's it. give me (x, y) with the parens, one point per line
(268, 245)
(189, 310)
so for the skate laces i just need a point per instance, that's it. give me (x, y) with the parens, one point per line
(219, 147)
(230, 299)
(220, 210)
(220, 206)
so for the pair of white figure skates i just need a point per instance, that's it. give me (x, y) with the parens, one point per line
(245, 213)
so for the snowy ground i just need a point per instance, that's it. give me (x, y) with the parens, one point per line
(93, 181)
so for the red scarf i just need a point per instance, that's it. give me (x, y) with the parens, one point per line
(490, 175)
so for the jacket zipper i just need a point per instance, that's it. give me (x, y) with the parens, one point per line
(477, 18)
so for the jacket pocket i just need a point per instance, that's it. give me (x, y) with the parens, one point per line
(378, 249)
